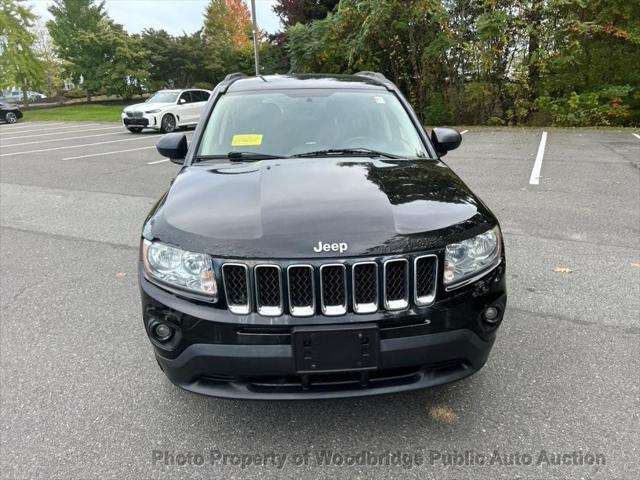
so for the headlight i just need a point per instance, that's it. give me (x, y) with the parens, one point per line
(156, 110)
(191, 272)
(464, 259)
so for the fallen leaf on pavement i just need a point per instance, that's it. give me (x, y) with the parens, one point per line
(121, 275)
(443, 414)
(562, 270)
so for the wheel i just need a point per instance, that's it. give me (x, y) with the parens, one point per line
(168, 123)
(10, 117)
(134, 129)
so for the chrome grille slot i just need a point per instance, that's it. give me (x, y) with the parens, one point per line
(333, 289)
(301, 290)
(365, 287)
(396, 284)
(236, 287)
(425, 279)
(268, 290)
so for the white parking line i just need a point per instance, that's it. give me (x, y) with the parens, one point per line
(463, 132)
(61, 133)
(534, 179)
(22, 126)
(109, 153)
(158, 161)
(61, 139)
(636, 135)
(34, 127)
(61, 127)
(73, 146)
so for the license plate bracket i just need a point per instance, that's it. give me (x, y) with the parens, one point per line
(336, 348)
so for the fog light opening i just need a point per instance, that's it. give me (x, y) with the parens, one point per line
(491, 315)
(163, 332)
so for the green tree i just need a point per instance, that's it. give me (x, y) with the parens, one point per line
(118, 63)
(292, 12)
(403, 39)
(175, 61)
(73, 19)
(19, 63)
(227, 38)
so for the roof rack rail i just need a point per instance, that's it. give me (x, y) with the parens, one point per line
(234, 76)
(229, 79)
(378, 77)
(367, 73)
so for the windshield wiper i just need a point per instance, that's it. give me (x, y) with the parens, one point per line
(239, 156)
(359, 152)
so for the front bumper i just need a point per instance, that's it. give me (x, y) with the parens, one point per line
(266, 371)
(146, 121)
(214, 352)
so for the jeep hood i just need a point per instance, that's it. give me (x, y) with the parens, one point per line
(283, 208)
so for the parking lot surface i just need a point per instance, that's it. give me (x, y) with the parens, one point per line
(82, 396)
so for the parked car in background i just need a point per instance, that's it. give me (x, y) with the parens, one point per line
(9, 113)
(15, 96)
(166, 110)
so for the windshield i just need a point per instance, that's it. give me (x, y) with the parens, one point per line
(295, 122)
(163, 97)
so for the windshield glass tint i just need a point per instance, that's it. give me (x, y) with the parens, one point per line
(163, 97)
(299, 121)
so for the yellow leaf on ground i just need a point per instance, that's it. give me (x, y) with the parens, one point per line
(121, 275)
(635, 264)
(562, 270)
(443, 414)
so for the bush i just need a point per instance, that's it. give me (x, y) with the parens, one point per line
(75, 93)
(608, 106)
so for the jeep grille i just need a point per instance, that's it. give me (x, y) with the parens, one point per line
(330, 289)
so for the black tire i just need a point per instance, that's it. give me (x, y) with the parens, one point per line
(168, 123)
(10, 117)
(134, 129)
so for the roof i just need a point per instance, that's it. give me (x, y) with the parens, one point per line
(291, 81)
(178, 90)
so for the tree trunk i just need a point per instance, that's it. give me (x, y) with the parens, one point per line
(88, 96)
(25, 96)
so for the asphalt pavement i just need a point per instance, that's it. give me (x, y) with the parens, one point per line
(82, 396)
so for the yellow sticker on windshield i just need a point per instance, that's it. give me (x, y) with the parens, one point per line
(247, 140)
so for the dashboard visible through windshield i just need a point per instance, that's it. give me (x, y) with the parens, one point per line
(295, 122)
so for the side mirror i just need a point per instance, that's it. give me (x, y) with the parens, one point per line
(182, 101)
(445, 139)
(173, 146)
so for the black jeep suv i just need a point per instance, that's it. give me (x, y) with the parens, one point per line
(314, 245)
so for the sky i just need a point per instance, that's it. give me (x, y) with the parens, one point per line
(175, 16)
